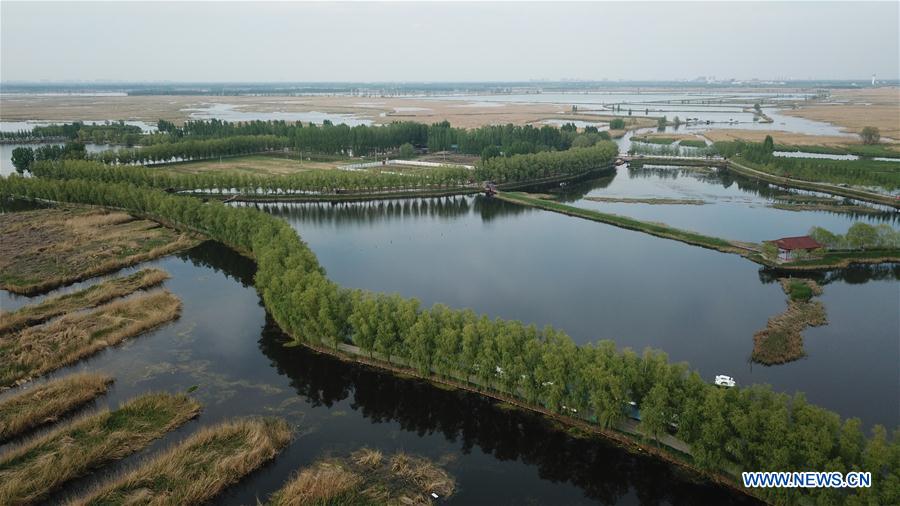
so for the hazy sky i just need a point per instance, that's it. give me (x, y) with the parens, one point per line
(214, 41)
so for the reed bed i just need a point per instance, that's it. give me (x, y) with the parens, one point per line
(782, 339)
(367, 477)
(43, 348)
(47, 248)
(198, 469)
(46, 403)
(31, 471)
(90, 297)
(324, 483)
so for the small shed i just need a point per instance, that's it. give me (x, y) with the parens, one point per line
(788, 246)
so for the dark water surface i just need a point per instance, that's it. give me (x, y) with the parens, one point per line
(591, 280)
(600, 282)
(224, 345)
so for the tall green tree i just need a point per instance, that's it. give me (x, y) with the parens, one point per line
(22, 158)
(870, 135)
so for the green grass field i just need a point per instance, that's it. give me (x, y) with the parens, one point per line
(257, 165)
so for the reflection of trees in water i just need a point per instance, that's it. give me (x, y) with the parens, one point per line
(380, 211)
(221, 259)
(577, 191)
(726, 179)
(371, 211)
(603, 471)
(853, 275)
(489, 208)
(662, 172)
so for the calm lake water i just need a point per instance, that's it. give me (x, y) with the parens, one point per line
(599, 282)
(735, 207)
(224, 345)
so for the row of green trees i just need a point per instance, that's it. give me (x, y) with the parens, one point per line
(312, 181)
(863, 172)
(105, 133)
(194, 149)
(757, 152)
(209, 139)
(310, 138)
(742, 429)
(874, 173)
(511, 139)
(546, 164)
(364, 140)
(23, 157)
(859, 236)
(515, 168)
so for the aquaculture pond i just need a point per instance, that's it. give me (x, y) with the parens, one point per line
(716, 202)
(600, 282)
(226, 350)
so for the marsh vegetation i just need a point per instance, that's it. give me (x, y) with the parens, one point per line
(367, 476)
(199, 468)
(30, 471)
(89, 297)
(782, 340)
(47, 248)
(37, 350)
(47, 402)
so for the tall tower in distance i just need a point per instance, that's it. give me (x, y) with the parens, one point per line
(873, 79)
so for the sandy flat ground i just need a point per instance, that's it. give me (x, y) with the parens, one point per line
(854, 109)
(852, 118)
(850, 109)
(379, 110)
(727, 134)
(887, 95)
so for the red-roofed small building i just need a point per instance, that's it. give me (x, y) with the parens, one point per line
(788, 246)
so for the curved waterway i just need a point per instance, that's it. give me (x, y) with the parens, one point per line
(596, 281)
(225, 346)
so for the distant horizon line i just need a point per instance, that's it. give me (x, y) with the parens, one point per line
(424, 81)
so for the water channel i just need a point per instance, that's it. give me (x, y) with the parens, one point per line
(225, 346)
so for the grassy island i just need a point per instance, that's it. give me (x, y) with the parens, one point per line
(198, 469)
(782, 340)
(46, 403)
(43, 348)
(31, 471)
(92, 296)
(367, 477)
(47, 248)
